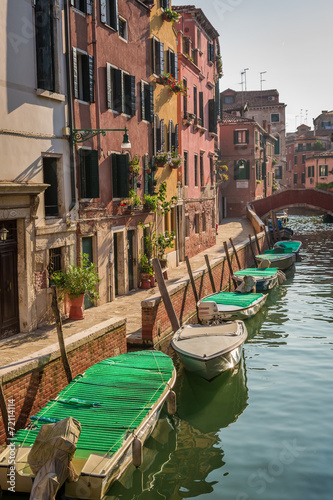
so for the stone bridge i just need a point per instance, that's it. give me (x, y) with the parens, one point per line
(310, 198)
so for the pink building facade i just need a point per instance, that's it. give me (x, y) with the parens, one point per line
(319, 169)
(199, 71)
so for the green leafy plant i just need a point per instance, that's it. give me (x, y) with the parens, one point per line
(318, 145)
(134, 199)
(170, 15)
(161, 158)
(325, 185)
(175, 86)
(134, 165)
(164, 241)
(150, 201)
(77, 280)
(219, 65)
(145, 265)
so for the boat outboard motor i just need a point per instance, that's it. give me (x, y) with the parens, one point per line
(207, 311)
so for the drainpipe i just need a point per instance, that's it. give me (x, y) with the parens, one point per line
(70, 102)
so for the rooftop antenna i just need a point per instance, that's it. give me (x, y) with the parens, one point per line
(296, 121)
(306, 116)
(242, 83)
(301, 116)
(244, 73)
(261, 80)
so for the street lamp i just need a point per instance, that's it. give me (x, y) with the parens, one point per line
(82, 135)
(3, 233)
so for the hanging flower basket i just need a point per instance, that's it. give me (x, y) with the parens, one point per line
(175, 86)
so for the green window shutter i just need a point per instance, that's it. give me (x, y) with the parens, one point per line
(201, 108)
(118, 96)
(92, 174)
(247, 171)
(247, 136)
(103, 11)
(108, 86)
(277, 146)
(91, 78)
(159, 48)
(155, 134)
(150, 100)
(85, 77)
(176, 67)
(44, 44)
(114, 167)
(195, 101)
(114, 22)
(211, 113)
(235, 137)
(146, 175)
(176, 142)
(162, 134)
(120, 186)
(173, 64)
(132, 94)
(75, 74)
(170, 135)
(326, 170)
(143, 100)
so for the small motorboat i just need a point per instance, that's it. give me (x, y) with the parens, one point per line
(117, 402)
(265, 279)
(209, 350)
(223, 306)
(278, 257)
(289, 246)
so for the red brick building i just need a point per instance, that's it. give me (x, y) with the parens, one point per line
(247, 150)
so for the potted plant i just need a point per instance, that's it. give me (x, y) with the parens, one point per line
(75, 282)
(150, 201)
(175, 86)
(146, 271)
(135, 202)
(164, 241)
(175, 160)
(134, 165)
(170, 15)
(160, 159)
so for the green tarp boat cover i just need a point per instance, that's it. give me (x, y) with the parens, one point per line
(110, 400)
(258, 273)
(233, 298)
(291, 246)
(277, 251)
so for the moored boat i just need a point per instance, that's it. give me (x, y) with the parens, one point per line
(117, 403)
(209, 350)
(278, 258)
(265, 279)
(223, 306)
(292, 246)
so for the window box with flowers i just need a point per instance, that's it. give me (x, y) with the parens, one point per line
(160, 159)
(170, 15)
(134, 165)
(175, 86)
(219, 65)
(175, 160)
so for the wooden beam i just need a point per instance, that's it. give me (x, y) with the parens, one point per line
(267, 237)
(257, 242)
(210, 273)
(253, 254)
(236, 255)
(273, 227)
(277, 227)
(189, 270)
(4, 412)
(229, 263)
(57, 317)
(165, 295)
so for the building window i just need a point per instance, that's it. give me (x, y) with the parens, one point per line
(187, 226)
(173, 64)
(165, 4)
(82, 5)
(89, 173)
(50, 174)
(123, 28)
(45, 43)
(185, 168)
(173, 141)
(120, 91)
(278, 172)
(147, 102)
(300, 147)
(204, 222)
(295, 160)
(290, 166)
(185, 98)
(228, 99)
(195, 100)
(109, 13)
(311, 171)
(241, 136)
(295, 178)
(199, 40)
(256, 137)
(120, 184)
(277, 145)
(196, 177)
(210, 52)
(323, 170)
(303, 178)
(303, 158)
(83, 75)
(211, 169)
(275, 117)
(202, 176)
(55, 260)
(158, 56)
(201, 109)
(241, 169)
(197, 223)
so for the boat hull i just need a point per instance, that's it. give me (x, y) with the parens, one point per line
(209, 369)
(281, 263)
(262, 284)
(209, 311)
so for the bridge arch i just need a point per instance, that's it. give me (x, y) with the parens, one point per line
(312, 198)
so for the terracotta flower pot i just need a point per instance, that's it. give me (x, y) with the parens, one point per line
(145, 281)
(76, 307)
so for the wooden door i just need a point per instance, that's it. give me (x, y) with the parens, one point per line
(9, 315)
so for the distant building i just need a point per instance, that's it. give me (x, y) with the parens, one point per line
(200, 67)
(319, 168)
(262, 105)
(248, 153)
(323, 124)
(300, 145)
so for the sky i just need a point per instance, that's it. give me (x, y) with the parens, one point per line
(292, 40)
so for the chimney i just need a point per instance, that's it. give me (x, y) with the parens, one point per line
(264, 125)
(269, 128)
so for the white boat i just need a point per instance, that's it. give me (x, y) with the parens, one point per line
(117, 402)
(278, 258)
(292, 246)
(209, 350)
(265, 279)
(224, 306)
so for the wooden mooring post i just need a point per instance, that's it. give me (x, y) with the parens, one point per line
(229, 264)
(257, 242)
(253, 254)
(210, 273)
(57, 317)
(165, 295)
(189, 270)
(235, 252)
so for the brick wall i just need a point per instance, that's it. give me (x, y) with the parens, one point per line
(155, 321)
(32, 388)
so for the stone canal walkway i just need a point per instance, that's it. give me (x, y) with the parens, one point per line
(24, 347)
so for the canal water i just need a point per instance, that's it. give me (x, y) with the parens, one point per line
(264, 431)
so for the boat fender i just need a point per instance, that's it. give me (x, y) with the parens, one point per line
(172, 403)
(281, 277)
(137, 452)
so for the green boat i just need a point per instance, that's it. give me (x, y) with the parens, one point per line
(265, 279)
(117, 402)
(278, 257)
(292, 246)
(230, 306)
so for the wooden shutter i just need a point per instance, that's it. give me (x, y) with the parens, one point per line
(108, 86)
(235, 137)
(176, 66)
(146, 174)
(151, 103)
(114, 175)
(103, 11)
(143, 100)
(75, 74)
(159, 57)
(195, 101)
(155, 134)
(173, 64)
(211, 113)
(89, 6)
(170, 135)
(162, 134)
(82, 173)
(236, 170)
(92, 174)
(201, 108)
(123, 187)
(132, 94)
(118, 96)
(247, 136)
(247, 170)
(44, 45)
(91, 78)
(176, 141)
(114, 21)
